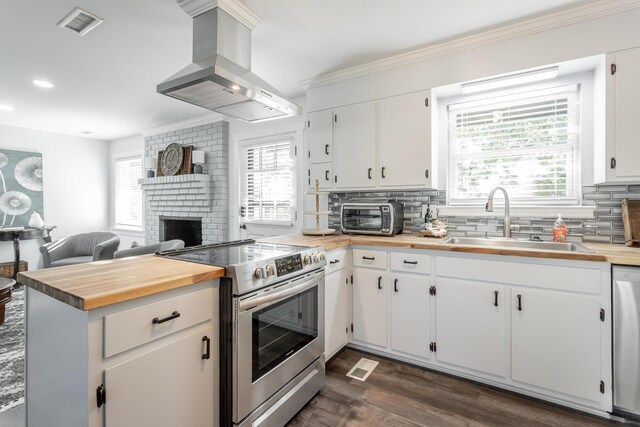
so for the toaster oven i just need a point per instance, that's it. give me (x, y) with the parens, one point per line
(379, 218)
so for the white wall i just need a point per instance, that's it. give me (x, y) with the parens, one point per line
(76, 183)
(123, 147)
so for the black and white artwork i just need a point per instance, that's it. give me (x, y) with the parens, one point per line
(21, 187)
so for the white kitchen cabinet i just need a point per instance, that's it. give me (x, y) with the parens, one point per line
(323, 172)
(337, 311)
(319, 132)
(410, 314)
(556, 342)
(370, 289)
(355, 146)
(622, 112)
(168, 386)
(471, 325)
(404, 132)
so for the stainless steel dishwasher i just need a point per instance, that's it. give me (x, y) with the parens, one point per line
(626, 341)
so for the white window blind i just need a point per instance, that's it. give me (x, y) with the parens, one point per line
(526, 142)
(128, 194)
(268, 182)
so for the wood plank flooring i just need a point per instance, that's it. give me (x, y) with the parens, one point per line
(396, 394)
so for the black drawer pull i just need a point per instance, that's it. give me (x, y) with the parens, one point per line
(369, 258)
(410, 262)
(380, 282)
(395, 285)
(369, 173)
(207, 352)
(326, 149)
(495, 298)
(383, 168)
(519, 302)
(157, 321)
(326, 175)
(334, 261)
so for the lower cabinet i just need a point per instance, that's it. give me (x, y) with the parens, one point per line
(370, 289)
(471, 325)
(337, 302)
(556, 342)
(410, 314)
(169, 386)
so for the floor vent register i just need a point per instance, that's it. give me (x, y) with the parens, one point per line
(362, 369)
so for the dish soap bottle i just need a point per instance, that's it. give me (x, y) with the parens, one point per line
(559, 230)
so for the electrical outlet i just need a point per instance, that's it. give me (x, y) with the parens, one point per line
(434, 211)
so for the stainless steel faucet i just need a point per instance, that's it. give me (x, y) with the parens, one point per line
(507, 216)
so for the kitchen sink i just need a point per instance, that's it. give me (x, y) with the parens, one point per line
(516, 244)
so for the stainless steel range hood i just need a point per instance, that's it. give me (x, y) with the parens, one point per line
(220, 77)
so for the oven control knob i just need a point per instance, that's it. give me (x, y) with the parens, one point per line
(258, 273)
(307, 260)
(315, 258)
(270, 270)
(321, 256)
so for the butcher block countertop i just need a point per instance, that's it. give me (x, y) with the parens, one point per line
(102, 283)
(613, 254)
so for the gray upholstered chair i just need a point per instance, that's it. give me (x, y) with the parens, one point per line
(81, 248)
(150, 249)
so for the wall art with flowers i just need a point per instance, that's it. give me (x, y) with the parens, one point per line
(20, 187)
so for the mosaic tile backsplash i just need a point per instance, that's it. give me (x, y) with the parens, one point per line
(605, 227)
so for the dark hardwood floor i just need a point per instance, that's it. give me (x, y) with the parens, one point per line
(396, 394)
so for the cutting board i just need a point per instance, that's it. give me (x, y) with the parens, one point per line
(631, 221)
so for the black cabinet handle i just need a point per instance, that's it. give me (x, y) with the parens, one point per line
(326, 175)
(326, 149)
(410, 262)
(157, 321)
(369, 258)
(519, 302)
(207, 351)
(334, 261)
(383, 168)
(495, 298)
(379, 282)
(369, 173)
(395, 285)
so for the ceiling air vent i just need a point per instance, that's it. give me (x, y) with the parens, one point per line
(80, 21)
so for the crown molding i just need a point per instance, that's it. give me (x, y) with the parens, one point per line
(233, 7)
(518, 29)
(184, 124)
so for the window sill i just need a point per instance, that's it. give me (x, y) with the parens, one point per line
(572, 212)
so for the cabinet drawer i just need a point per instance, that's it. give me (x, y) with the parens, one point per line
(336, 260)
(410, 262)
(369, 258)
(135, 327)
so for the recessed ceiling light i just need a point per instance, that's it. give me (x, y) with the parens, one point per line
(5, 107)
(43, 83)
(235, 87)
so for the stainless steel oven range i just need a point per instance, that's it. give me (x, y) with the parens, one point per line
(271, 328)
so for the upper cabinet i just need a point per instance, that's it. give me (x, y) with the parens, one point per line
(383, 144)
(320, 137)
(623, 110)
(404, 131)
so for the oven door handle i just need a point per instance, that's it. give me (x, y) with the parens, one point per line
(262, 300)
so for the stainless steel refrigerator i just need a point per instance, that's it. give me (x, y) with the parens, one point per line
(626, 341)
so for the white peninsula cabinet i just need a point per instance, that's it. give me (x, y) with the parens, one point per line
(151, 361)
(541, 327)
(622, 112)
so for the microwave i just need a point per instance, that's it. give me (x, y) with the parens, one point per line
(379, 218)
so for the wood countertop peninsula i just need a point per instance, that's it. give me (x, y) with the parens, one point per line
(98, 284)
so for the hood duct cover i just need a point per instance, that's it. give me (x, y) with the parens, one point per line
(219, 78)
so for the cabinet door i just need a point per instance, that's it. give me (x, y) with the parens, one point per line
(355, 146)
(370, 306)
(555, 342)
(471, 325)
(405, 140)
(320, 136)
(410, 314)
(336, 302)
(169, 386)
(323, 172)
(626, 148)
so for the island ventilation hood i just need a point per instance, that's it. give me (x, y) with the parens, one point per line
(220, 77)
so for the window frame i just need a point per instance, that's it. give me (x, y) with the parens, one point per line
(243, 144)
(116, 224)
